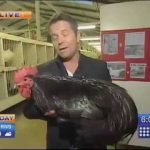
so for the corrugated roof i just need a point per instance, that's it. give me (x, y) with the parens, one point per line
(85, 11)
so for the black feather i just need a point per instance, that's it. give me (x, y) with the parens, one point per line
(103, 111)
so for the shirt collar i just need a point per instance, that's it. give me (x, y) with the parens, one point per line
(79, 71)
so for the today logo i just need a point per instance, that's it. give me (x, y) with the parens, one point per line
(7, 126)
(9, 118)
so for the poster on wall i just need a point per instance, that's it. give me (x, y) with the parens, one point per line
(117, 69)
(127, 53)
(134, 45)
(110, 44)
(137, 70)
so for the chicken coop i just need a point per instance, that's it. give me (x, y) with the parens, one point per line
(16, 52)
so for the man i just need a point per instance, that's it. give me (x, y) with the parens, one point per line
(69, 62)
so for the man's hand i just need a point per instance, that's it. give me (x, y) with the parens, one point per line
(51, 113)
(23, 82)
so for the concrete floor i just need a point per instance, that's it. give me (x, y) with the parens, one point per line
(30, 134)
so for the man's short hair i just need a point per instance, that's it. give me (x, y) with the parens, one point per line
(62, 17)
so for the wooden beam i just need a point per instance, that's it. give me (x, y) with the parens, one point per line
(37, 18)
(50, 5)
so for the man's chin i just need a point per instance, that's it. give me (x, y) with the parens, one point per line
(64, 57)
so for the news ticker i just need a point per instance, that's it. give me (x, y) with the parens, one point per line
(15, 14)
(7, 125)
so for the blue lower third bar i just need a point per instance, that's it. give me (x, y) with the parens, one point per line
(7, 130)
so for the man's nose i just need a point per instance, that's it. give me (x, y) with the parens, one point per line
(60, 40)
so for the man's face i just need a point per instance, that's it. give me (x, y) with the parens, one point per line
(65, 41)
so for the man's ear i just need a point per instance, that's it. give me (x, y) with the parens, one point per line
(78, 36)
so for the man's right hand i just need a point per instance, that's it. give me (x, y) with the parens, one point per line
(51, 113)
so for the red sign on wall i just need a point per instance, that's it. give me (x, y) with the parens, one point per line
(127, 53)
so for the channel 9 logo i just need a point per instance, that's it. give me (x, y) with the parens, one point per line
(7, 125)
(144, 125)
(15, 14)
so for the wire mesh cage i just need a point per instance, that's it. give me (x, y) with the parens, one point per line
(8, 51)
(50, 52)
(12, 53)
(29, 53)
(41, 53)
(15, 53)
(11, 88)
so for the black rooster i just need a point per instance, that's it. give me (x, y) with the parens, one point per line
(103, 112)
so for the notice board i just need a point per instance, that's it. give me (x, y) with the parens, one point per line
(127, 53)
